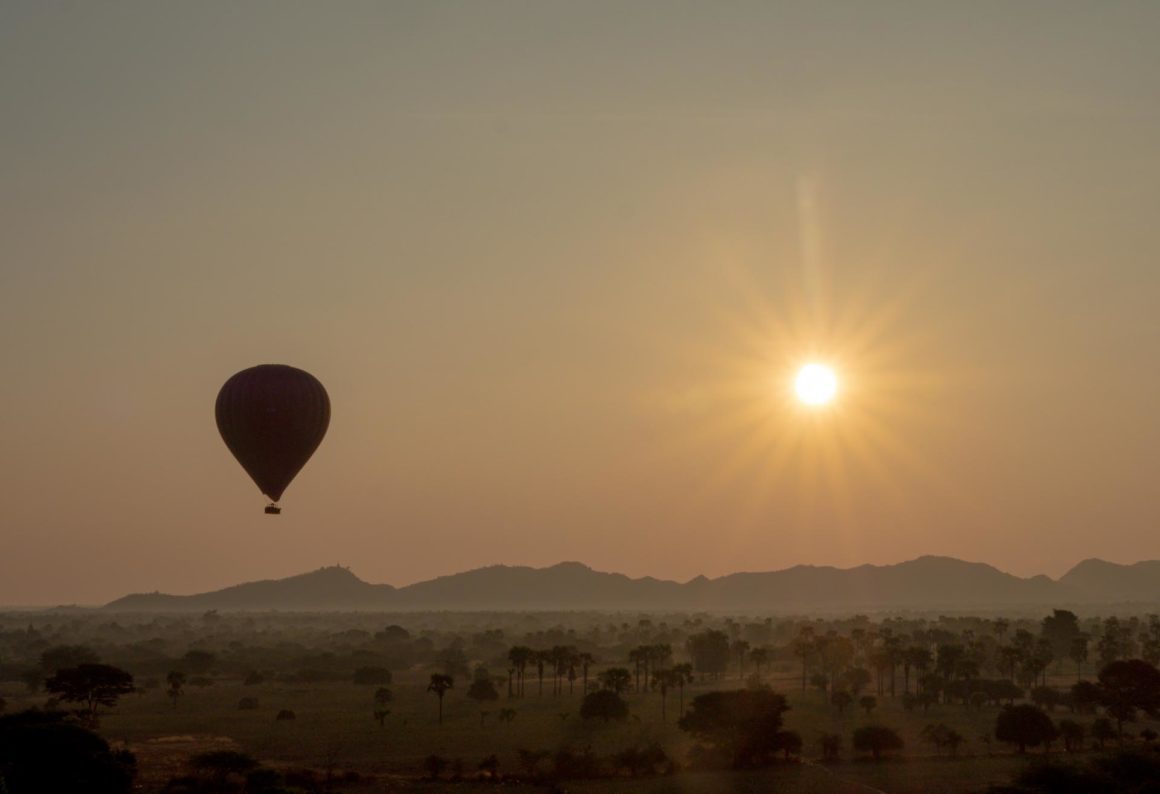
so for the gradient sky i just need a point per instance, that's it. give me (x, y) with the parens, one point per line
(554, 263)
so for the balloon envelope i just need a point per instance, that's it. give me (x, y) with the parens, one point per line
(272, 417)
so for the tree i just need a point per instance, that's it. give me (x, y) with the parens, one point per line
(1085, 696)
(804, 647)
(60, 657)
(856, 678)
(740, 649)
(841, 699)
(1060, 629)
(176, 683)
(917, 657)
(831, 746)
(1078, 653)
(383, 698)
(742, 724)
(520, 657)
(198, 662)
(710, 652)
(868, 702)
(684, 675)
(1126, 686)
(41, 752)
(665, 680)
(1024, 726)
(435, 764)
(604, 704)
(482, 689)
(876, 740)
(1072, 733)
(759, 657)
(440, 683)
(585, 660)
(453, 660)
(530, 760)
(941, 736)
(616, 679)
(92, 686)
(1113, 643)
(1103, 731)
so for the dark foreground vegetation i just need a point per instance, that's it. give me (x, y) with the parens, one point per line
(326, 702)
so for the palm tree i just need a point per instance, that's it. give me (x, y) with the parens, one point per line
(741, 650)
(1079, 653)
(665, 679)
(917, 657)
(759, 657)
(684, 674)
(439, 685)
(637, 656)
(585, 660)
(804, 645)
(541, 657)
(520, 656)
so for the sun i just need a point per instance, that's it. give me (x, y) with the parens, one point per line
(816, 385)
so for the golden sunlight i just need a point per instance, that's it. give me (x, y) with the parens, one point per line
(816, 385)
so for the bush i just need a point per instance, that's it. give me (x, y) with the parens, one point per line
(247, 704)
(877, 740)
(604, 705)
(285, 714)
(41, 753)
(435, 764)
(568, 765)
(743, 724)
(1024, 726)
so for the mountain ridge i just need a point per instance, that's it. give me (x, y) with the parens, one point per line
(926, 582)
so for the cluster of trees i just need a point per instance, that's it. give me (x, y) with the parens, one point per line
(853, 662)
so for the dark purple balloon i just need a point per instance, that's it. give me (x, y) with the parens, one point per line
(272, 417)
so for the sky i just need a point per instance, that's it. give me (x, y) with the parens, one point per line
(556, 264)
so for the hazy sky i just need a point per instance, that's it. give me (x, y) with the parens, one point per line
(555, 262)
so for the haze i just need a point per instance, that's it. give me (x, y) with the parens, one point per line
(553, 263)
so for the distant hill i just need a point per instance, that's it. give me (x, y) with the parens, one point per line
(925, 583)
(1108, 581)
(333, 588)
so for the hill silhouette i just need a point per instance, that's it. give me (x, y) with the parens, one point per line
(923, 583)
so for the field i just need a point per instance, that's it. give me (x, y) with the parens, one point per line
(335, 733)
(334, 729)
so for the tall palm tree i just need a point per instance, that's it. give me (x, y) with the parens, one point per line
(665, 679)
(637, 656)
(520, 656)
(541, 658)
(740, 650)
(759, 657)
(805, 646)
(684, 675)
(439, 685)
(585, 660)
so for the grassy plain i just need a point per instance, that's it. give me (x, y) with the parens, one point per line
(334, 729)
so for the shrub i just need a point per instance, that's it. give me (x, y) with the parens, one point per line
(877, 740)
(604, 705)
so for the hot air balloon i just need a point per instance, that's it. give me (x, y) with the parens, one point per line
(272, 417)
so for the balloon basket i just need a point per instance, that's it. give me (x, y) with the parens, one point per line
(273, 510)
